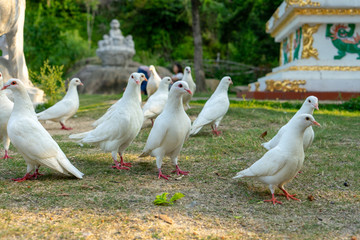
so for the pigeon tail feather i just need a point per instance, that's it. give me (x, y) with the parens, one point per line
(78, 135)
(66, 164)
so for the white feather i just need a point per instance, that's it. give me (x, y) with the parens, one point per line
(307, 108)
(31, 139)
(153, 82)
(215, 108)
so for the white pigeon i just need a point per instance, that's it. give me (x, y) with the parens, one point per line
(156, 102)
(31, 139)
(65, 108)
(214, 109)
(171, 129)
(188, 79)
(117, 105)
(154, 81)
(121, 126)
(280, 165)
(6, 107)
(308, 107)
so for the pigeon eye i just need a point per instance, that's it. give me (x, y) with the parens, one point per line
(307, 118)
(13, 83)
(180, 85)
(132, 76)
(309, 100)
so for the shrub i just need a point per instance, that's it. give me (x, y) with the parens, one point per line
(50, 81)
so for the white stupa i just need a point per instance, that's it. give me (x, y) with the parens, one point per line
(320, 47)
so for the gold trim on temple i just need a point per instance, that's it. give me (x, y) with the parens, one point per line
(308, 40)
(311, 11)
(285, 85)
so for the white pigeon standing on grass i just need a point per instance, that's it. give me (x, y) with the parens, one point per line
(214, 109)
(118, 103)
(156, 102)
(65, 108)
(31, 139)
(192, 86)
(121, 125)
(308, 107)
(170, 131)
(153, 82)
(280, 165)
(6, 107)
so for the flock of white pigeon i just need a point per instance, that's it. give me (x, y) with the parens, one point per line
(171, 127)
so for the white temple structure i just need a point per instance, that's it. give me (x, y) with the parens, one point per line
(320, 47)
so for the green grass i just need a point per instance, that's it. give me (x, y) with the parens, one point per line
(110, 204)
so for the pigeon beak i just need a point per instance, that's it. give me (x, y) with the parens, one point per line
(145, 79)
(316, 123)
(137, 82)
(189, 91)
(5, 87)
(81, 84)
(231, 82)
(316, 106)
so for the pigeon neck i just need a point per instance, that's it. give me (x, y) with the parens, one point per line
(221, 89)
(306, 108)
(131, 93)
(174, 102)
(163, 87)
(22, 102)
(72, 92)
(293, 138)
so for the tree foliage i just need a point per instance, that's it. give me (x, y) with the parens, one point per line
(162, 30)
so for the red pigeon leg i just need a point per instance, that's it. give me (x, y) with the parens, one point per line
(162, 175)
(178, 171)
(122, 163)
(117, 166)
(27, 176)
(36, 173)
(63, 127)
(273, 200)
(215, 131)
(287, 195)
(6, 156)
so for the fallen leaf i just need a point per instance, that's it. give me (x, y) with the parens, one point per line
(311, 198)
(165, 218)
(353, 238)
(263, 134)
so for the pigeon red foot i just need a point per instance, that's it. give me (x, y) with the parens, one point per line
(288, 196)
(6, 156)
(63, 127)
(36, 174)
(27, 176)
(178, 171)
(273, 200)
(215, 131)
(161, 175)
(123, 165)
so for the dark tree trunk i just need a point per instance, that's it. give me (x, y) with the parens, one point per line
(198, 52)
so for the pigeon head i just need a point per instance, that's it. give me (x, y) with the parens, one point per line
(181, 87)
(188, 69)
(151, 68)
(312, 101)
(76, 82)
(226, 81)
(13, 84)
(166, 81)
(137, 78)
(306, 120)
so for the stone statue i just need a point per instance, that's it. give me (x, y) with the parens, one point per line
(12, 61)
(114, 49)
